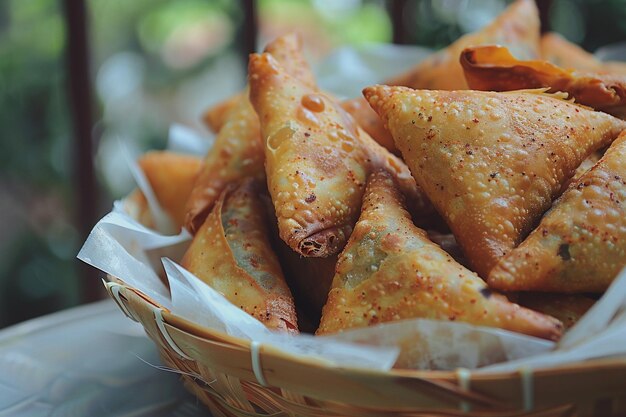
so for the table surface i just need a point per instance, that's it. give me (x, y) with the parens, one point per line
(87, 361)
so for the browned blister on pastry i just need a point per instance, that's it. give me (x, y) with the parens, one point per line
(493, 68)
(237, 153)
(370, 122)
(580, 244)
(231, 252)
(490, 162)
(171, 177)
(287, 50)
(517, 27)
(565, 307)
(390, 270)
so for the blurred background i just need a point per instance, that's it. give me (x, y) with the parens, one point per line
(78, 76)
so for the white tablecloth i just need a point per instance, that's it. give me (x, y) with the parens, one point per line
(87, 361)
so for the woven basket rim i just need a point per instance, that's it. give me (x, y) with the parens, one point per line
(218, 337)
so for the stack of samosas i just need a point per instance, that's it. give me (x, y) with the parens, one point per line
(486, 185)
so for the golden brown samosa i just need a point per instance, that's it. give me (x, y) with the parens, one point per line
(580, 244)
(491, 163)
(517, 27)
(567, 308)
(369, 121)
(390, 271)
(316, 160)
(238, 151)
(493, 68)
(565, 54)
(171, 177)
(215, 117)
(231, 252)
(287, 50)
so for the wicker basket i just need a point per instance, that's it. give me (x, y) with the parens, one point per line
(235, 377)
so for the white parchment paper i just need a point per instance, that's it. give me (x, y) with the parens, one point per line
(120, 246)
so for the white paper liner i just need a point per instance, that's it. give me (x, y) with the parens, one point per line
(120, 246)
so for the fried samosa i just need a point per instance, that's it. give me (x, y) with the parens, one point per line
(287, 50)
(171, 177)
(565, 54)
(567, 308)
(390, 271)
(491, 163)
(369, 121)
(580, 244)
(215, 117)
(231, 253)
(517, 27)
(316, 160)
(493, 68)
(238, 151)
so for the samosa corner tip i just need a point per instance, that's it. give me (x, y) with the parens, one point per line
(377, 96)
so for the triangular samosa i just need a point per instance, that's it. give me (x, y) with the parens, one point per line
(238, 151)
(231, 252)
(517, 27)
(566, 54)
(390, 271)
(171, 177)
(370, 122)
(287, 49)
(316, 160)
(580, 244)
(493, 68)
(216, 116)
(569, 308)
(491, 163)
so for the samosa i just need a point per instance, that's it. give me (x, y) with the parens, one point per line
(559, 51)
(517, 27)
(287, 49)
(390, 271)
(491, 163)
(493, 68)
(569, 308)
(231, 252)
(316, 160)
(580, 244)
(370, 122)
(171, 177)
(238, 151)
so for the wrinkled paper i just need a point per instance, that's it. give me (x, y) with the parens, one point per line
(121, 247)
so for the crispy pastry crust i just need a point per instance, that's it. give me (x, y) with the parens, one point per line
(238, 151)
(517, 27)
(580, 244)
(493, 68)
(369, 121)
(231, 253)
(490, 162)
(317, 161)
(390, 270)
